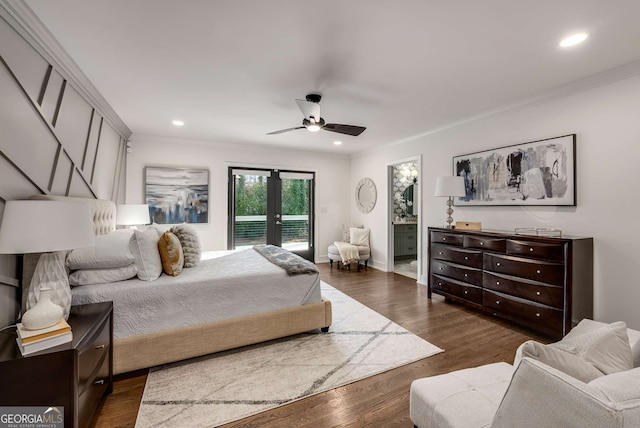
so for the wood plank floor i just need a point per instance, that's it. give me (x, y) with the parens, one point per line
(468, 337)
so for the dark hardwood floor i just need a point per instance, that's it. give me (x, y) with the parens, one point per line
(468, 337)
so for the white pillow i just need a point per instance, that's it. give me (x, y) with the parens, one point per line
(146, 257)
(561, 360)
(109, 251)
(100, 276)
(359, 236)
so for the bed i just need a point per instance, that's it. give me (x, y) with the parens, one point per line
(222, 303)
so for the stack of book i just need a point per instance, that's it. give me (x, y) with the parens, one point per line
(30, 341)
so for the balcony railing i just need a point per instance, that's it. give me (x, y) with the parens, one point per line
(252, 229)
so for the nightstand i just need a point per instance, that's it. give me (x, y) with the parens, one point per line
(74, 375)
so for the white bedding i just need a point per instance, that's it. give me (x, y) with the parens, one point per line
(237, 284)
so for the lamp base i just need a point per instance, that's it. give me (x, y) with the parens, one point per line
(449, 213)
(50, 272)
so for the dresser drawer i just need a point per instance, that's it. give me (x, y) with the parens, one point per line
(538, 250)
(461, 256)
(536, 270)
(543, 317)
(462, 273)
(455, 288)
(446, 238)
(89, 399)
(484, 243)
(90, 356)
(530, 290)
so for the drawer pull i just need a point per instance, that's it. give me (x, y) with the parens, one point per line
(497, 282)
(531, 249)
(497, 302)
(538, 271)
(481, 243)
(498, 264)
(466, 292)
(441, 268)
(439, 283)
(440, 252)
(100, 346)
(537, 293)
(466, 258)
(99, 382)
(444, 239)
(466, 275)
(537, 314)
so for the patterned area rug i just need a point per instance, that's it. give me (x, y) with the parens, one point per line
(223, 387)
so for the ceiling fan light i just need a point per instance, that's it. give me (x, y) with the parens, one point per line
(313, 127)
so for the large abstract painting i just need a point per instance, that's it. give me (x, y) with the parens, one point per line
(177, 195)
(536, 173)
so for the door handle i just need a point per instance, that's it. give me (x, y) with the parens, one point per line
(278, 222)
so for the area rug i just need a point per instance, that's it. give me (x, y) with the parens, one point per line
(223, 387)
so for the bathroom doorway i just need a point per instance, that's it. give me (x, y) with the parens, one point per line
(404, 214)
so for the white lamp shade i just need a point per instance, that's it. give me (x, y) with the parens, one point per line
(450, 186)
(45, 226)
(132, 214)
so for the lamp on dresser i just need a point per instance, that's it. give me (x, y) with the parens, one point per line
(46, 227)
(450, 187)
(132, 215)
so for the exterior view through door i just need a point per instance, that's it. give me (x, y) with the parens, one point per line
(270, 206)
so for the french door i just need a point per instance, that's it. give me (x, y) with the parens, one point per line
(270, 206)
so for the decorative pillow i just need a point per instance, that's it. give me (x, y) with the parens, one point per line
(359, 236)
(146, 257)
(171, 254)
(109, 251)
(346, 232)
(190, 244)
(561, 360)
(99, 276)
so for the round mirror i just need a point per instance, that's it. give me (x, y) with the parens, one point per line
(408, 199)
(366, 195)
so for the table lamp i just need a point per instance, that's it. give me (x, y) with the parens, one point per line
(132, 215)
(450, 187)
(46, 227)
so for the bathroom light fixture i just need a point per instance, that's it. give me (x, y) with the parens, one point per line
(573, 40)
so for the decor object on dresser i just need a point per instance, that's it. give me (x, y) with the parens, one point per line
(132, 215)
(44, 313)
(30, 341)
(449, 187)
(541, 172)
(540, 282)
(537, 391)
(73, 376)
(366, 195)
(177, 195)
(46, 227)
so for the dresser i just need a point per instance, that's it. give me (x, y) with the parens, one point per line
(405, 239)
(74, 376)
(542, 283)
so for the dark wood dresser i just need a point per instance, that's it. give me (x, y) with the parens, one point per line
(539, 282)
(74, 376)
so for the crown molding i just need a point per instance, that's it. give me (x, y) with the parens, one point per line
(572, 88)
(24, 20)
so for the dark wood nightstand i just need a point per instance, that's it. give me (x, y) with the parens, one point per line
(74, 375)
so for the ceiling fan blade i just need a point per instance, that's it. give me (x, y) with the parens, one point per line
(344, 129)
(309, 109)
(285, 130)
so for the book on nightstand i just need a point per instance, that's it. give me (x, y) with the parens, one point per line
(30, 341)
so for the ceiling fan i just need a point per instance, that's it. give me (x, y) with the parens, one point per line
(313, 122)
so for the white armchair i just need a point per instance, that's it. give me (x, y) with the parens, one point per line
(533, 394)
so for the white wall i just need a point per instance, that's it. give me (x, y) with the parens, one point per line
(606, 120)
(332, 180)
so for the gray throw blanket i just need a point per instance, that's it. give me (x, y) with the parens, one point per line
(292, 263)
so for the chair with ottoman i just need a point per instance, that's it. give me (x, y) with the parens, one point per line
(591, 378)
(355, 239)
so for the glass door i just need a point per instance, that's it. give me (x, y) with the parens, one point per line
(271, 207)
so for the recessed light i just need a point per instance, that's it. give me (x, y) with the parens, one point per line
(573, 40)
(337, 143)
(178, 123)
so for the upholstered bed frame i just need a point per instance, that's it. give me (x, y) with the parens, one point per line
(148, 350)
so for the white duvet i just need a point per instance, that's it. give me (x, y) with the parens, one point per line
(237, 284)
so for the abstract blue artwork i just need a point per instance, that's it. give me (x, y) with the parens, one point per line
(177, 195)
(536, 173)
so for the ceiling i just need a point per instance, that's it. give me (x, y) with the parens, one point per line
(232, 69)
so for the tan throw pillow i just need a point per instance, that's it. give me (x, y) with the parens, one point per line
(561, 360)
(171, 254)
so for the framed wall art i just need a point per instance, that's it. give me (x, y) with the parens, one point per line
(177, 195)
(536, 173)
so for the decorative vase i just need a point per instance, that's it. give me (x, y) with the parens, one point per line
(44, 314)
(50, 272)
